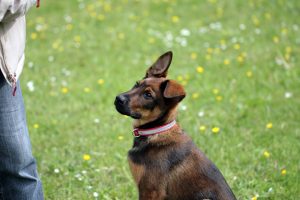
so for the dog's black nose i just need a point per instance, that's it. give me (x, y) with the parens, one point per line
(121, 100)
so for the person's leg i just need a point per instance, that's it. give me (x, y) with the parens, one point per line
(18, 172)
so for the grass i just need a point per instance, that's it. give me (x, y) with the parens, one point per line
(238, 60)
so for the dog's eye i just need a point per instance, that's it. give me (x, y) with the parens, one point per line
(147, 95)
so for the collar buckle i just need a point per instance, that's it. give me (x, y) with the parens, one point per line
(135, 133)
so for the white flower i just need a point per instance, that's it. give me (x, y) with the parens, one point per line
(77, 175)
(183, 107)
(95, 194)
(257, 31)
(169, 36)
(182, 41)
(203, 30)
(234, 40)
(64, 83)
(66, 72)
(185, 32)
(89, 187)
(83, 171)
(215, 26)
(30, 86)
(288, 95)
(56, 171)
(242, 27)
(30, 64)
(96, 120)
(52, 79)
(68, 18)
(81, 6)
(39, 27)
(50, 58)
(201, 114)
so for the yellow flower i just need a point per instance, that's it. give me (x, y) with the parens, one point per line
(100, 81)
(36, 126)
(33, 35)
(175, 19)
(217, 50)
(220, 11)
(275, 39)
(283, 172)
(255, 20)
(215, 91)
(202, 128)
(56, 44)
(288, 49)
(266, 154)
(268, 16)
(244, 54)
(254, 198)
(64, 90)
(77, 38)
(193, 55)
(121, 36)
(207, 56)
(86, 157)
(107, 7)
(215, 129)
(69, 27)
(284, 31)
(87, 90)
(249, 74)
(219, 98)
(212, 1)
(226, 62)
(184, 83)
(287, 56)
(90, 7)
(151, 40)
(209, 50)
(269, 125)
(101, 17)
(222, 42)
(236, 46)
(179, 78)
(195, 95)
(120, 137)
(200, 69)
(240, 59)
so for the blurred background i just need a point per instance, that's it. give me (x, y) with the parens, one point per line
(239, 63)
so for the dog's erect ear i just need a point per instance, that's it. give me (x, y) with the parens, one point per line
(173, 90)
(161, 66)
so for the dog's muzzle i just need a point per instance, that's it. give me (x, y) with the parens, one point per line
(121, 103)
(122, 106)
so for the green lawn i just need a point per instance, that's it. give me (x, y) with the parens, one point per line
(238, 60)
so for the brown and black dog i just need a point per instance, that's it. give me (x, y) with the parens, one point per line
(165, 163)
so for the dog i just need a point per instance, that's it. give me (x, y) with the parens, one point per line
(164, 162)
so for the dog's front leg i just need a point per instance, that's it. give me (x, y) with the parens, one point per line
(152, 189)
(153, 194)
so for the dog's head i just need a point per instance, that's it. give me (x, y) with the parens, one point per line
(154, 98)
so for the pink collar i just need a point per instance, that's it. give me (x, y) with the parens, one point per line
(153, 131)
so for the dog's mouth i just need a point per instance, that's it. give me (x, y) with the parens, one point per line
(123, 108)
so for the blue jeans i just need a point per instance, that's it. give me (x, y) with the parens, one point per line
(18, 172)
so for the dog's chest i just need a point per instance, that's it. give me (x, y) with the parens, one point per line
(159, 157)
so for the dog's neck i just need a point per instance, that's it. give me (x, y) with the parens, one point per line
(164, 118)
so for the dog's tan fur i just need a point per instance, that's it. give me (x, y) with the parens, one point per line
(167, 166)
